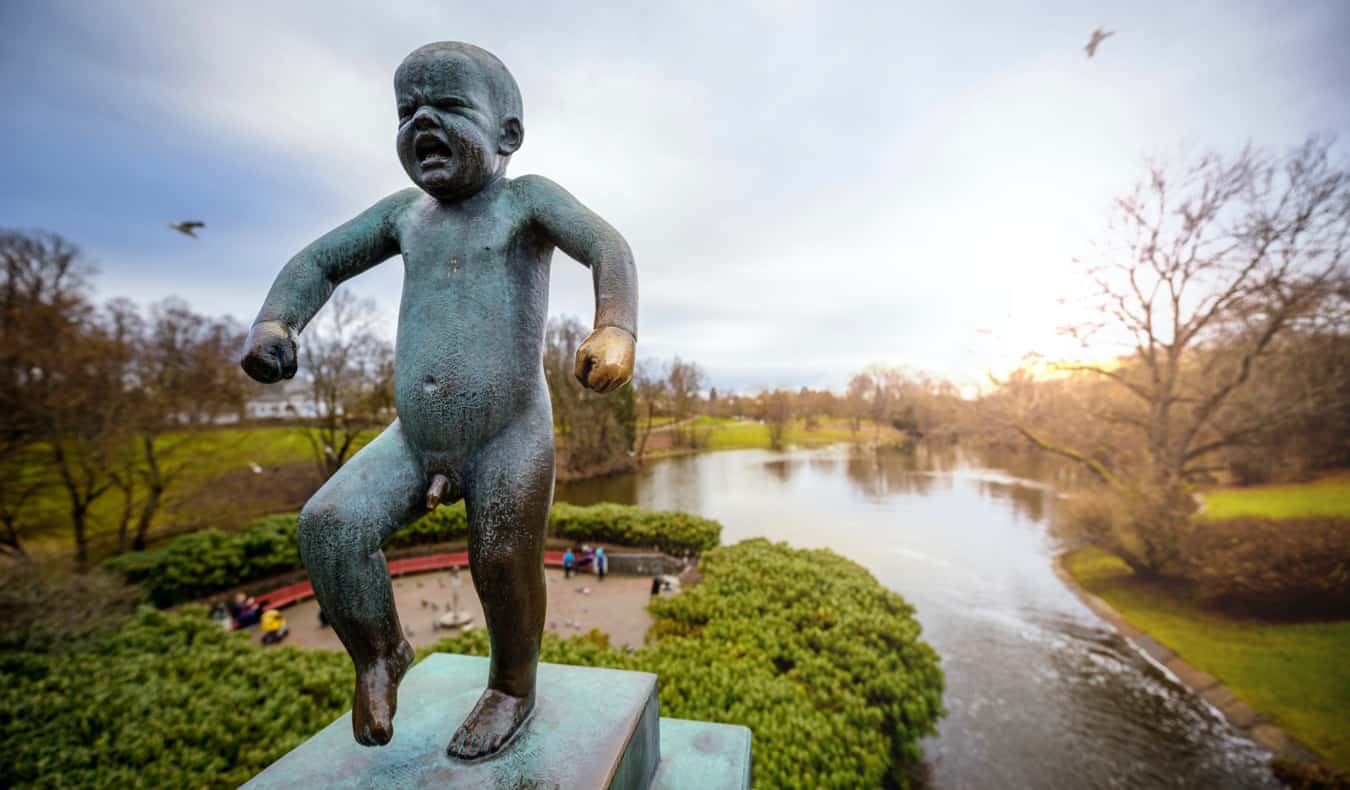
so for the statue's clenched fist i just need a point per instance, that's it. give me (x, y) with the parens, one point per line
(269, 354)
(605, 359)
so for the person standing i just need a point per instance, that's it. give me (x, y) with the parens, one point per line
(569, 562)
(601, 562)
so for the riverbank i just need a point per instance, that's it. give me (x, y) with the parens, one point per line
(1286, 685)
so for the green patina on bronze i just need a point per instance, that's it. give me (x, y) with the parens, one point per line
(591, 728)
(697, 755)
(474, 416)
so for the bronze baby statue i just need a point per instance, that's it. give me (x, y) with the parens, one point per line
(474, 419)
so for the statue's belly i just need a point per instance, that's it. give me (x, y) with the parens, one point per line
(467, 365)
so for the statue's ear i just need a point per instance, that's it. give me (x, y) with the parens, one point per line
(512, 135)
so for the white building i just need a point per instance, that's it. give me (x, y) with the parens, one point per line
(289, 398)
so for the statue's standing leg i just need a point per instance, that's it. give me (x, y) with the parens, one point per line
(379, 491)
(508, 488)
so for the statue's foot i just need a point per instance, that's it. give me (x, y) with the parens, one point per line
(490, 724)
(377, 696)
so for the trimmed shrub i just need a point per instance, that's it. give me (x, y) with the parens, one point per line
(169, 700)
(201, 563)
(1284, 567)
(442, 525)
(44, 606)
(206, 562)
(804, 647)
(673, 532)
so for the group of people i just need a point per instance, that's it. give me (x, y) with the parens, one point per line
(575, 559)
(243, 611)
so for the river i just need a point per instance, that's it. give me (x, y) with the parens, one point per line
(1041, 693)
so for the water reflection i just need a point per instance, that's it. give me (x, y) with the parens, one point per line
(1041, 693)
(1028, 503)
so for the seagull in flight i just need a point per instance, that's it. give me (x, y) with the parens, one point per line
(188, 228)
(1098, 36)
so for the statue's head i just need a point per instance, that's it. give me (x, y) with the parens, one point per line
(459, 118)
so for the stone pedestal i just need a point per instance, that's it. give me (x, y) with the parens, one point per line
(591, 728)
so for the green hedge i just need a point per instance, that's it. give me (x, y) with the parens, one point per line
(169, 700)
(206, 562)
(201, 563)
(673, 532)
(804, 647)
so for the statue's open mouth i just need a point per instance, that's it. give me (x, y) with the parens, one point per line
(431, 151)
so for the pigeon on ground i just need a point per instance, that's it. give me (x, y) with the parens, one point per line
(188, 228)
(1098, 36)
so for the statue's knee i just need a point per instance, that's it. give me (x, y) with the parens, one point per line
(496, 564)
(318, 522)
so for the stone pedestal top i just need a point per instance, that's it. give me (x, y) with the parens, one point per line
(591, 728)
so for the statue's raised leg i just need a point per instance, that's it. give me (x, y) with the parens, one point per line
(379, 491)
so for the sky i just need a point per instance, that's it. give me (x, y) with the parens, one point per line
(808, 187)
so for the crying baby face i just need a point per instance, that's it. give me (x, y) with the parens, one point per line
(458, 119)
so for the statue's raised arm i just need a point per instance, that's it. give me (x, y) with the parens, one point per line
(309, 278)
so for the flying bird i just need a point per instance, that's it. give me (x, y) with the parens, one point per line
(1098, 36)
(188, 228)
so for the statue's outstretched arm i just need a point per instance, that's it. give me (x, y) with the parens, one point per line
(309, 278)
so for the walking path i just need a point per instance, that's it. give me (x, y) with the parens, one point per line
(617, 606)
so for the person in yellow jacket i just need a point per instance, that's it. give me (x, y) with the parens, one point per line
(273, 627)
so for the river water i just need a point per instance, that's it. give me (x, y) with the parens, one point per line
(1041, 693)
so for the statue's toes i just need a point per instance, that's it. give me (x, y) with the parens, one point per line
(370, 732)
(457, 743)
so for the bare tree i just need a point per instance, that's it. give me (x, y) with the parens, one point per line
(650, 387)
(684, 381)
(1206, 267)
(86, 414)
(64, 387)
(43, 299)
(184, 380)
(350, 372)
(873, 393)
(859, 391)
(595, 432)
(777, 413)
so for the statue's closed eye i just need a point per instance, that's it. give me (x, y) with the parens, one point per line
(452, 103)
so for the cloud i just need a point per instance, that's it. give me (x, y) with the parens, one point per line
(808, 187)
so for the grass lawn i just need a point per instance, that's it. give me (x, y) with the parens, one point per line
(730, 434)
(1296, 674)
(194, 458)
(1329, 496)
